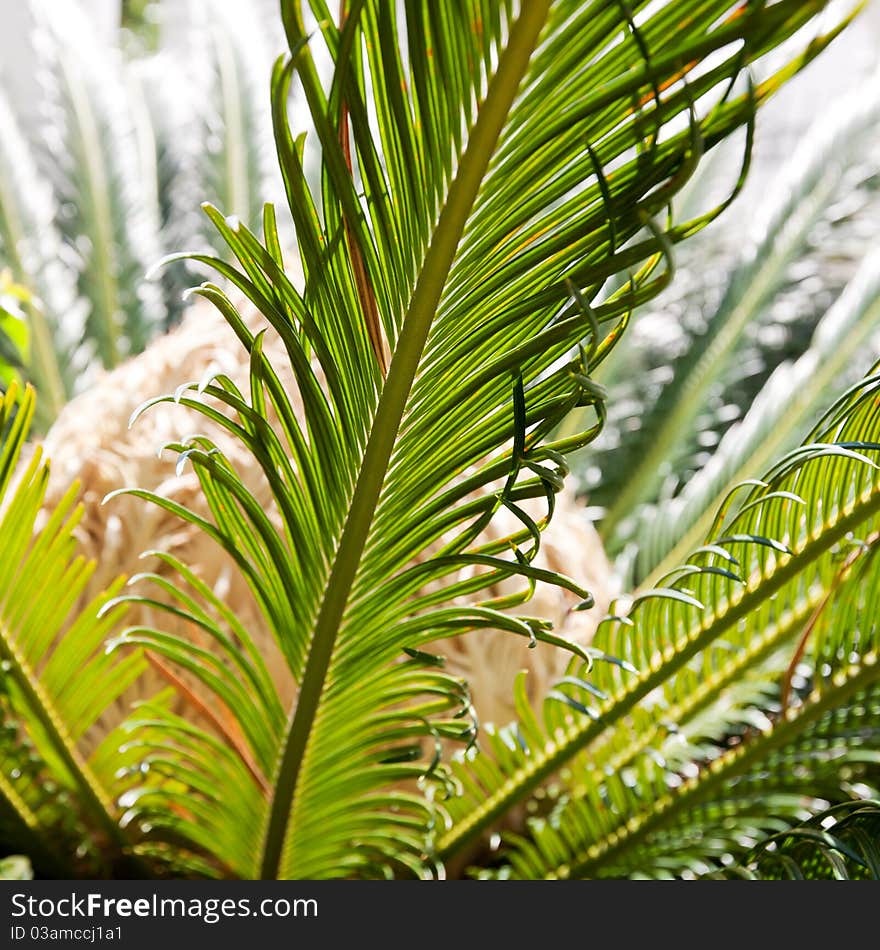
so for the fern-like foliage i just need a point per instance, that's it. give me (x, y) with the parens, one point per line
(31, 252)
(782, 596)
(93, 156)
(497, 192)
(485, 170)
(668, 415)
(58, 790)
(106, 175)
(783, 411)
(839, 844)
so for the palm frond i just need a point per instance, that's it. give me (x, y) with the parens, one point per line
(661, 428)
(57, 680)
(218, 128)
(92, 155)
(780, 415)
(792, 569)
(838, 844)
(31, 251)
(472, 246)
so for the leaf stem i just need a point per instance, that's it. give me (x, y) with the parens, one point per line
(40, 704)
(558, 752)
(463, 191)
(729, 766)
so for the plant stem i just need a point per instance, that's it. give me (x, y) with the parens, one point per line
(723, 770)
(560, 751)
(429, 288)
(40, 704)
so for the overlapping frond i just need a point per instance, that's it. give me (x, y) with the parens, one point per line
(93, 156)
(31, 251)
(792, 574)
(56, 679)
(838, 844)
(484, 171)
(660, 435)
(109, 174)
(781, 414)
(206, 90)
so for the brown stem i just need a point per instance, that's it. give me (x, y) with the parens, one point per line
(367, 298)
(810, 626)
(226, 729)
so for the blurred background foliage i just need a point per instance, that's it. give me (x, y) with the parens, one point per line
(128, 116)
(773, 311)
(115, 124)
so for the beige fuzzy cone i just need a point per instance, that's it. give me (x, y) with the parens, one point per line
(91, 441)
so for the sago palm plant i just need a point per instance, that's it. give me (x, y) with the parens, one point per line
(497, 196)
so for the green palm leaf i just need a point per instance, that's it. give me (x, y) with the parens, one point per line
(56, 681)
(31, 251)
(205, 88)
(838, 844)
(801, 195)
(92, 153)
(783, 411)
(793, 571)
(472, 245)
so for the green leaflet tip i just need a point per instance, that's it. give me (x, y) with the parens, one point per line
(211, 374)
(756, 539)
(153, 272)
(142, 408)
(111, 604)
(111, 495)
(183, 388)
(180, 465)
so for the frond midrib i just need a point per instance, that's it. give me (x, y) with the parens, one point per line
(554, 755)
(428, 290)
(729, 766)
(710, 688)
(44, 710)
